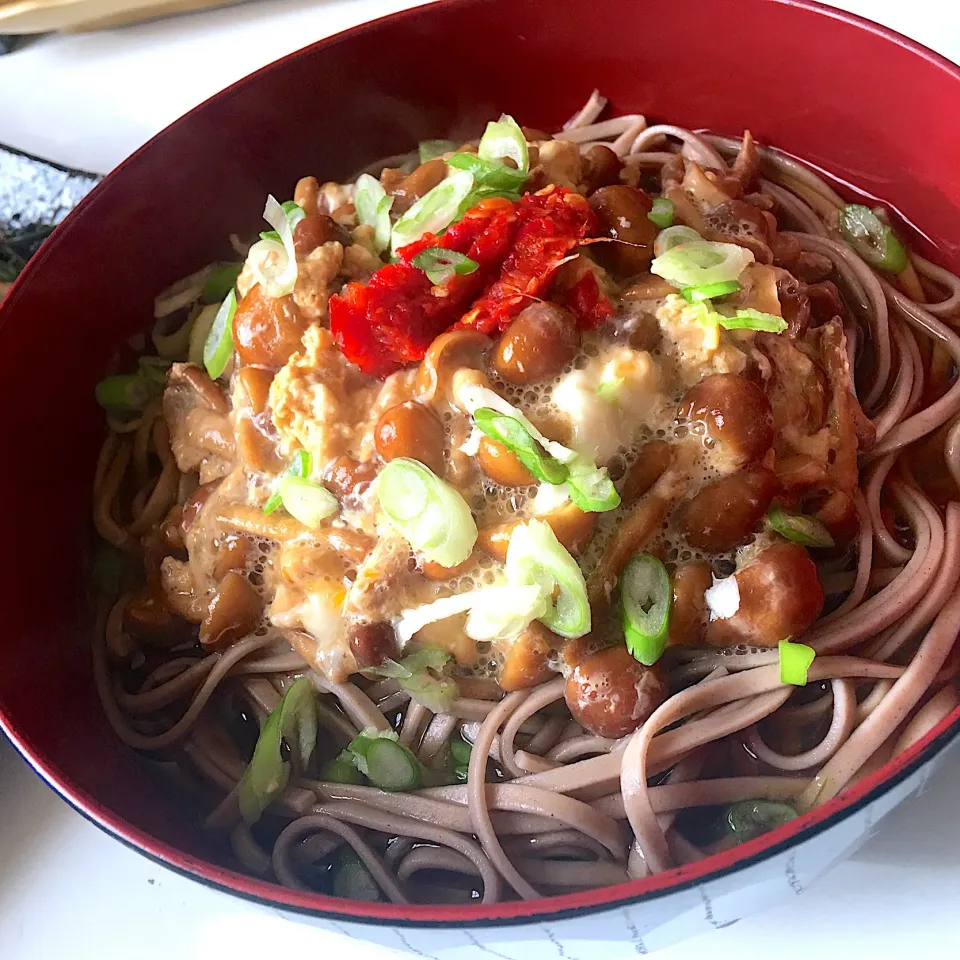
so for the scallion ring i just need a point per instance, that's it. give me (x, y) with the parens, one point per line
(673, 237)
(694, 263)
(748, 819)
(709, 291)
(513, 435)
(871, 238)
(504, 138)
(591, 488)
(428, 513)
(750, 319)
(373, 209)
(440, 264)
(662, 212)
(489, 173)
(536, 556)
(434, 211)
(808, 531)
(218, 348)
(795, 660)
(293, 721)
(646, 598)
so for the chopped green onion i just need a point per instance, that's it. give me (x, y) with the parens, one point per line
(434, 211)
(220, 282)
(373, 209)
(748, 819)
(662, 212)
(428, 513)
(513, 435)
(301, 464)
(273, 504)
(750, 319)
(489, 173)
(307, 501)
(504, 138)
(218, 348)
(871, 238)
(799, 528)
(460, 750)
(795, 660)
(646, 598)
(341, 769)
(127, 393)
(273, 258)
(417, 674)
(673, 237)
(440, 264)
(431, 149)
(536, 556)
(695, 263)
(353, 881)
(386, 763)
(709, 291)
(591, 488)
(294, 720)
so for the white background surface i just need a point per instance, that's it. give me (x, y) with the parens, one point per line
(69, 892)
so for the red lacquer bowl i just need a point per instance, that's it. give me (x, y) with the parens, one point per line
(856, 100)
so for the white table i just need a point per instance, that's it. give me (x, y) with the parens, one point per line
(69, 892)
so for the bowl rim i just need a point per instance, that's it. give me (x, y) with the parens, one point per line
(511, 913)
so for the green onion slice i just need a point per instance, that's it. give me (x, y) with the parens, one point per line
(353, 881)
(386, 763)
(591, 488)
(373, 209)
(695, 263)
(748, 819)
(440, 264)
(420, 674)
(489, 173)
(750, 319)
(428, 513)
(220, 282)
(127, 393)
(514, 435)
(154, 368)
(795, 660)
(295, 721)
(273, 258)
(662, 212)
(434, 211)
(431, 149)
(673, 237)
(341, 769)
(504, 138)
(302, 464)
(799, 528)
(871, 238)
(536, 556)
(307, 501)
(273, 503)
(484, 193)
(709, 291)
(218, 348)
(646, 598)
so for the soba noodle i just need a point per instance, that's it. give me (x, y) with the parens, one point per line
(547, 804)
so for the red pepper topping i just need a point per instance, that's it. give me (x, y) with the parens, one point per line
(391, 321)
(588, 304)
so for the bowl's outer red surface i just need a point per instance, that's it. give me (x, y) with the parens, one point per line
(870, 107)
